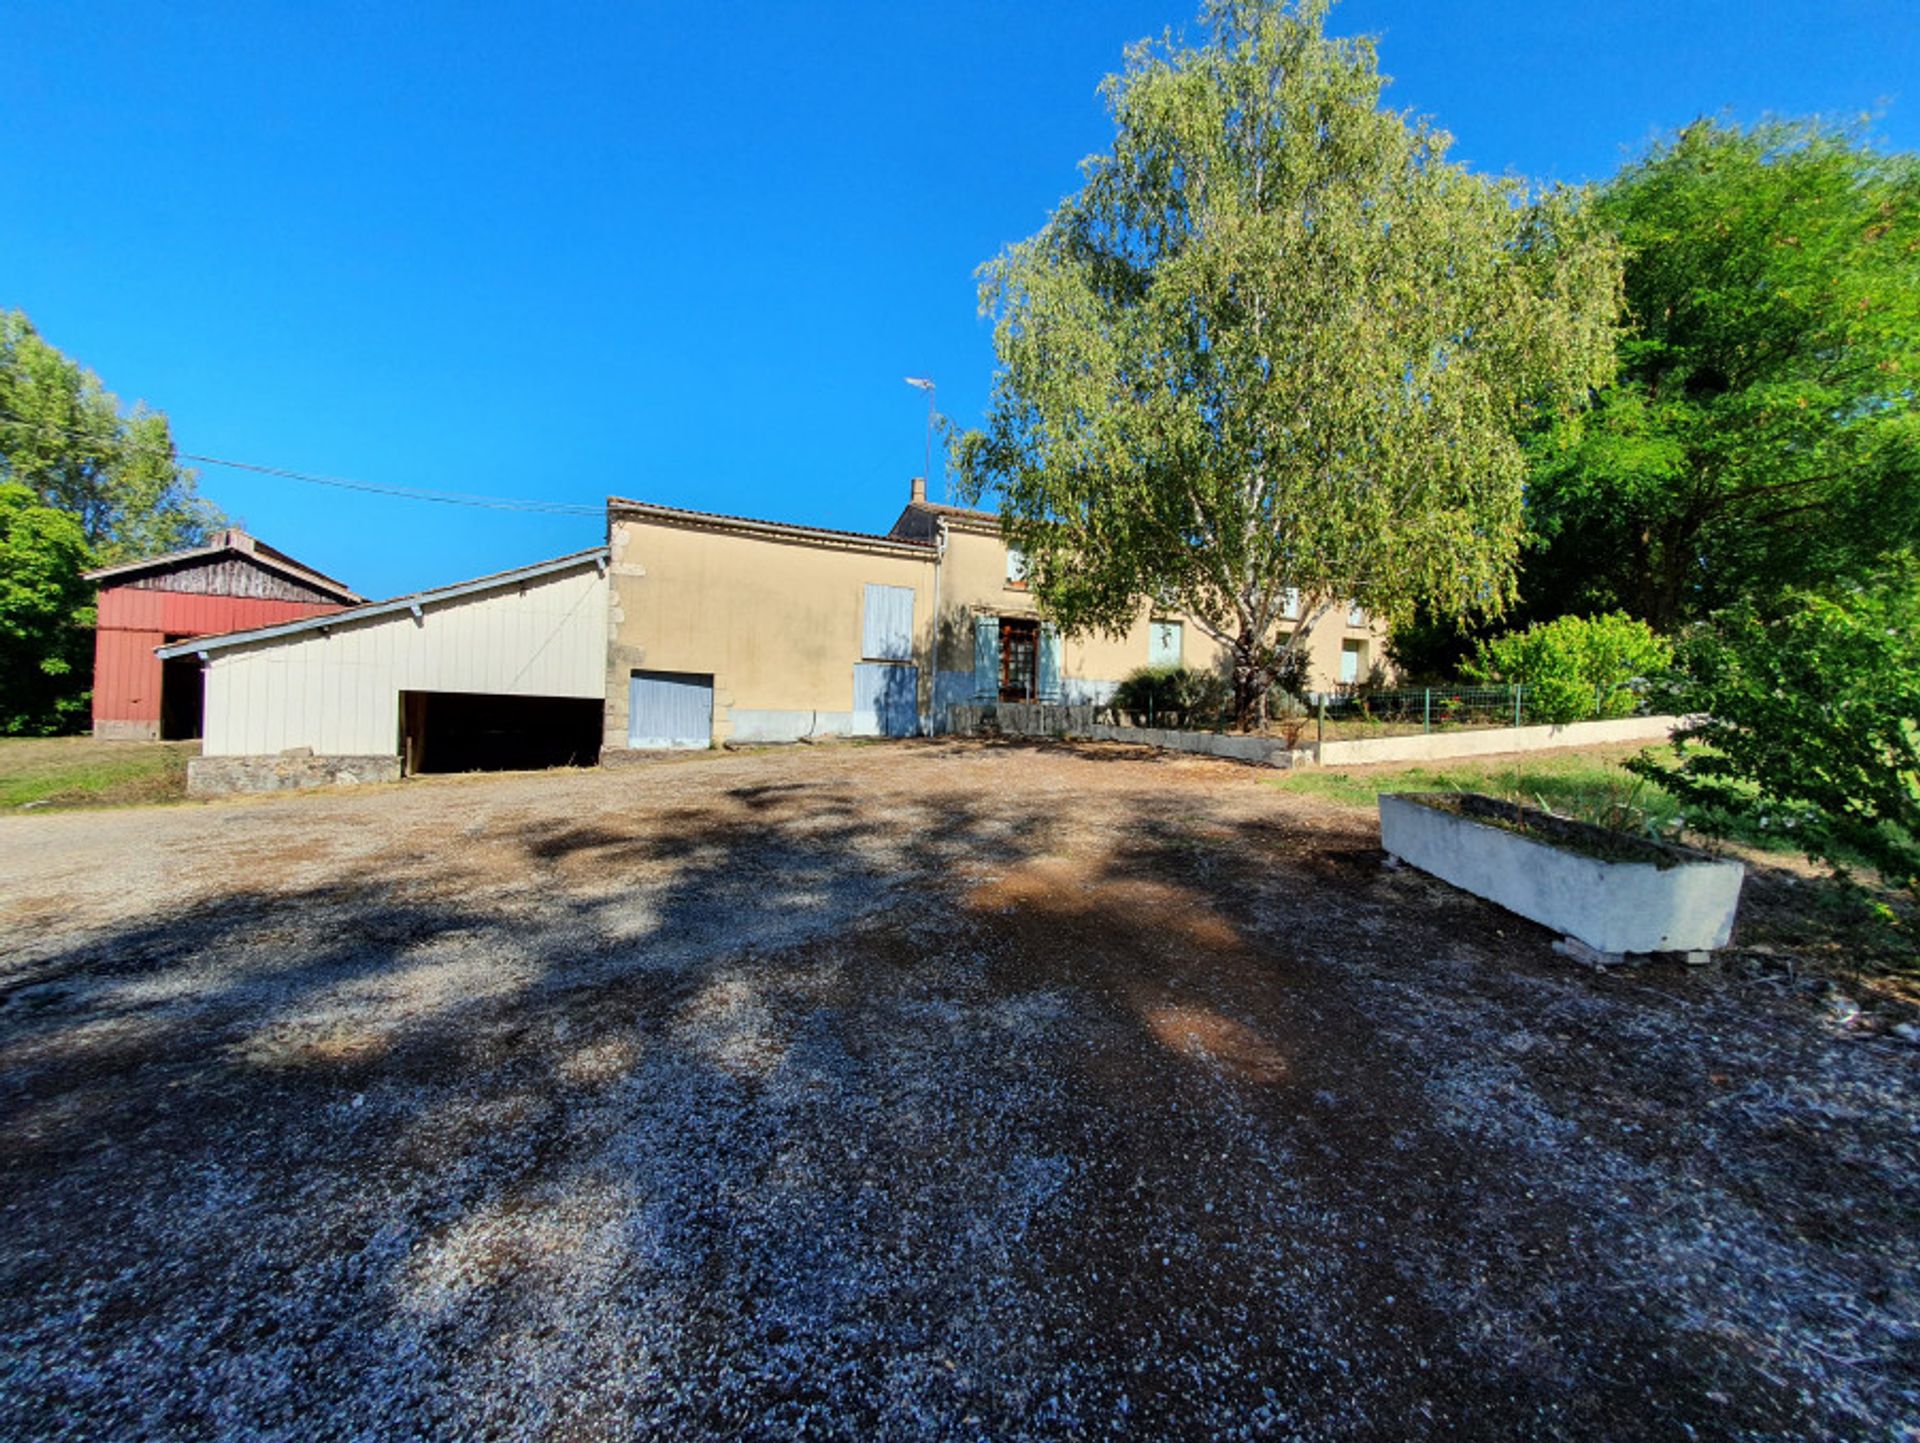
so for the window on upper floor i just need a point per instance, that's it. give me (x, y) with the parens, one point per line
(1016, 567)
(1164, 640)
(1353, 661)
(1356, 614)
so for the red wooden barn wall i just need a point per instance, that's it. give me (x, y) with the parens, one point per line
(134, 620)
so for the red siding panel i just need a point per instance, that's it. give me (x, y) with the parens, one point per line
(133, 621)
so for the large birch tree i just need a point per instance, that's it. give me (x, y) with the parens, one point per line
(1272, 357)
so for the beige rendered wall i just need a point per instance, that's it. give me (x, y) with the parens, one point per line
(776, 622)
(974, 582)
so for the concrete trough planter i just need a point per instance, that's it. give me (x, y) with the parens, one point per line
(1611, 894)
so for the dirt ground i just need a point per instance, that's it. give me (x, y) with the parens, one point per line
(922, 1090)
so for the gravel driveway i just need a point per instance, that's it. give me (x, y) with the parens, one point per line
(910, 1091)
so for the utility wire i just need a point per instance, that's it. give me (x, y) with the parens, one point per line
(403, 493)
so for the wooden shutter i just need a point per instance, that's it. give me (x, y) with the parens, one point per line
(986, 658)
(1048, 682)
(887, 629)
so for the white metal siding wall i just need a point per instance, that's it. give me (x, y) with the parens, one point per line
(340, 694)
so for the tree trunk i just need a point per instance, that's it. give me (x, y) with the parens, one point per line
(1251, 678)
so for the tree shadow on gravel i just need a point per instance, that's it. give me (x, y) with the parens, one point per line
(774, 1115)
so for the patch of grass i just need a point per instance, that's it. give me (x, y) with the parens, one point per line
(1592, 786)
(82, 772)
(1575, 783)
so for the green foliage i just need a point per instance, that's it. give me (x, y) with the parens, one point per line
(1764, 428)
(1575, 668)
(63, 435)
(1279, 342)
(45, 610)
(1171, 696)
(1809, 721)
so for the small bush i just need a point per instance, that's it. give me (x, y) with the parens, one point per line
(1171, 696)
(1808, 723)
(1575, 668)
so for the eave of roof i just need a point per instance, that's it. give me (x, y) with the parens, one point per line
(262, 554)
(770, 530)
(413, 600)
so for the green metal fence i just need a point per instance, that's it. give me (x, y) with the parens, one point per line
(1405, 710)
(1353, 714)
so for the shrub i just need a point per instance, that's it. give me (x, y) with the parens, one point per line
(1292, 676)
(1574, 668)
(1171, 696)
(1808, 722)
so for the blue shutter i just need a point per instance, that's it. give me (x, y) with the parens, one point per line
(1049, 679)
(886, 633)
(986, 658)
(1163, 644)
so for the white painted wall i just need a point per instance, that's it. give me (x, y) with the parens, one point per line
(340, 693)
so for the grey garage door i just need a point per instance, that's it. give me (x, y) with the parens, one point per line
(669, 709)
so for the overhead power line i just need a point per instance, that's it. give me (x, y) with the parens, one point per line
(287, 473)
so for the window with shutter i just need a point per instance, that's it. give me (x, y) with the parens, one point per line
(886, 632)
(1163, 643)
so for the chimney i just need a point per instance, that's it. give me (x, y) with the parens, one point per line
(919, 492)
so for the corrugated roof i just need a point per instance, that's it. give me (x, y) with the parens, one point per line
(370, 609)
(233, 540)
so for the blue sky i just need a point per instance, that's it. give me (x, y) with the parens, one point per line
(679, 252)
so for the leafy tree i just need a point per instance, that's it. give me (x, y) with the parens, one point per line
(1575, 668)
(1277, 342)
(63, 435)
(1764, 429)
(1808, 721)
(45, 615)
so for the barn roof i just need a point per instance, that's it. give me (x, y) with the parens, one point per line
(229, 541)
(412, 601)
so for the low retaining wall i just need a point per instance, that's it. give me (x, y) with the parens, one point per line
(225, 776)
(1034, 719)
(1441, 746)
(1037, 719)
(1262, 751)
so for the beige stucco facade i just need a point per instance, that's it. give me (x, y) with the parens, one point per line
(776, 617)
(773, 614)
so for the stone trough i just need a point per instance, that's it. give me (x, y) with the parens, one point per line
(1608, 892)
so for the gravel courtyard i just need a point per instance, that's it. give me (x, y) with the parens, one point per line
(922, 1090)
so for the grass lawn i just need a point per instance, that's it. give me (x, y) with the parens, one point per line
(82, 772)
(1586, 784)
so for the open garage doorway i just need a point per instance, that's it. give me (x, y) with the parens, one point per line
(182, 697)
(454, 731)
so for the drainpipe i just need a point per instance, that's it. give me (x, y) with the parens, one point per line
(933, 682)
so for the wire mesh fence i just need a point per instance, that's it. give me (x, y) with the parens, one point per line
(1404, 711)
(1348, 714)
